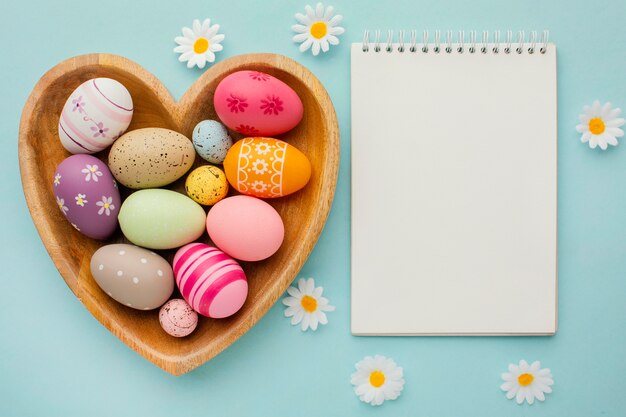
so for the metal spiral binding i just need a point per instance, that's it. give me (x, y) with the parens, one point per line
(510, 44)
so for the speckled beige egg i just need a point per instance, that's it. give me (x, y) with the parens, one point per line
(207, 185)
(150, 157)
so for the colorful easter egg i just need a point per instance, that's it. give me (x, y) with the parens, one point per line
(95, 115)
(245, 227)
(206, 185)
(87, 195)
(161, 219)
(211, 282)
(211, 140)
(133, 276)
(177, 318)
(266, 168)
(150, 157)
(257, 104)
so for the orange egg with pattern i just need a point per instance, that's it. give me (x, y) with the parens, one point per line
(266, 167)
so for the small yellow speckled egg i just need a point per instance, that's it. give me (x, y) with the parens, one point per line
(206, 185)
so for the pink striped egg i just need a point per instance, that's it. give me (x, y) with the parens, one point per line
(95, 115)
(211, 282)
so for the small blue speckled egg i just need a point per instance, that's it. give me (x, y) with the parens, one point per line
(211, 140)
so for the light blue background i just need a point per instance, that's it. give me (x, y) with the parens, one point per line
(56, 359)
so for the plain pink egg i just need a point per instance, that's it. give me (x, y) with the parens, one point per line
(245, 228)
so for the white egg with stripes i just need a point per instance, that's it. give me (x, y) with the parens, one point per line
(97, 113)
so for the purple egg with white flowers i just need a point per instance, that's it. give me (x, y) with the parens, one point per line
(87, 195)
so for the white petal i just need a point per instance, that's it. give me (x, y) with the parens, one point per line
(186, 56)
(217, 38)
(206, 24)
(319, 11)
(379, 397)
(523, 366)
(201, 61)
(368, 397)
(209, 55)
(297, 318)
(305, 322)
(581, 128)
(324, 45)
(300, 29)
(215, 47)
(519, 397)
(507, 376)
(309, 12)
(605, 110)
(294, 292)
(336, 30)
(313, 323)
(322, 317)
(316, 48)
(584, 119)
(595, 108)
(615, 122)
(514, 369)
(213, 31)
(536, 365)
(335, 20)
(310, 286)
(512, 392)
(182, 48)
(290, 311)
(189, 34)
(181, 40)
(328, 13)
(197, 27)
(602, 142)
(507, 385)
(333, 40)
(593, 141)
(302, 285)
(300, 37)
(530, 397)
(290, 301)
(317, 293)
(585, 137)
(611, 140)
(306, 45)
(303, 19)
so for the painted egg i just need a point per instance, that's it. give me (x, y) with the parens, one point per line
(266, 168)
(211, 282)
(150, 157)
(95, 115)
(133, 276)
(245, 227)
(206, 185)
(177, 318)
(161, 219)
(211, 140)
(256, 104)
(87, 195)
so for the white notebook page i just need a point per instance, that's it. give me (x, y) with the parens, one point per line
(454, 193)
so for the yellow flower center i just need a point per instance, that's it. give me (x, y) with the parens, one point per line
(201, 45)
(596, 126)
(106, 205)
(377, 379)
(309, 304)
(525, 379)
(319, 30)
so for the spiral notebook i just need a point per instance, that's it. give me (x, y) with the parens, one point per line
(454, 184)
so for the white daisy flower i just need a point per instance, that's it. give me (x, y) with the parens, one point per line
(81, 200)
(377, 379)
(198, 45)
(317, 29)
(527, 382)
(91, 172)
(57, 179)
(307, 305)
(62, 206)
(599, 125)
(105, 205)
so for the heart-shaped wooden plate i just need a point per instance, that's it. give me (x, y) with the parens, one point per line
(304, 213)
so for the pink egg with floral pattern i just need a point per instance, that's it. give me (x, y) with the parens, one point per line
(95, 115)
(257, 104)
(87, 195)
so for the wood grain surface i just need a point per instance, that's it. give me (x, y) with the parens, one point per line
(304, 213)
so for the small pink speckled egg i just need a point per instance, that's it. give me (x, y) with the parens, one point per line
(177, 318)
(256, 104)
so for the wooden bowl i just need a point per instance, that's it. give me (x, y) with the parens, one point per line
(304, 213)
